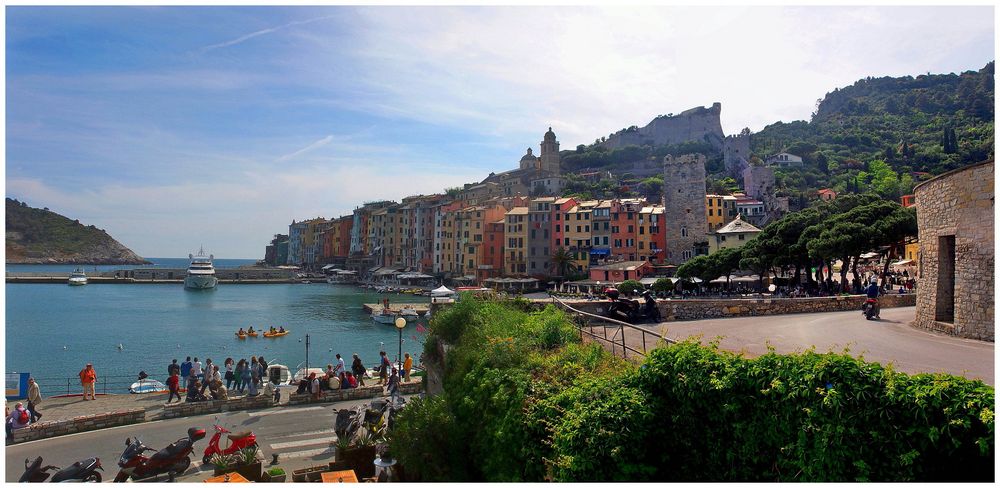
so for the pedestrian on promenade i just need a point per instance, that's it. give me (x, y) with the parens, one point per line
(383, 370)
(174, 385)
(19, 418)
(87, 378)
(263, 367)
(186, 368)
(238, 375)
(228, 363)
(341, 368)
(34, 398)
(393, 386)
(358, 369)
(407, 365)
(254, 377)
(207, 377)
(314, 383)
(173, 366)
(196, 370)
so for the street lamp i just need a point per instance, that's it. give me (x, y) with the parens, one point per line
(400, 323)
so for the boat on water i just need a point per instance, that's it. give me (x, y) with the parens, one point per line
(384, 316)
(147, 386)
(77, 277)
(278, 374)
(302, 373)
(201, 272)
(409, 314)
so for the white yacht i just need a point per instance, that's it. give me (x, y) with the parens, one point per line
(77, 277)
(201, 273)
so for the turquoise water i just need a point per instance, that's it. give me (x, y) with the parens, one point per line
(52, 330)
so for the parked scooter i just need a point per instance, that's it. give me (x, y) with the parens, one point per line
(85, 470)
(630, 310)
(236, 442)
(171, 460)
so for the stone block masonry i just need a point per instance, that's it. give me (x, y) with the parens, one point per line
(187, 409)
(406, 388)
(955, 273)
(83, 423)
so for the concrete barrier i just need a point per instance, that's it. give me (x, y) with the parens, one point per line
(187, 409)
(353, 393)
(697, 308)
(83, 423)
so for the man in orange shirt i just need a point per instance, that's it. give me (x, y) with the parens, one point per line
(87, 378)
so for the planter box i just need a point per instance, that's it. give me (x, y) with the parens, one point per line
(220, 472)
(250, 471)
(308, 474)
(268, 478)
(360, 459)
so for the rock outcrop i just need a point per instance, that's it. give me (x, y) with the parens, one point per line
(39, 236)
(696, 124)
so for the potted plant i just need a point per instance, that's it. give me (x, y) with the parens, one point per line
(223, 464)
(274, 475)
(247, 463)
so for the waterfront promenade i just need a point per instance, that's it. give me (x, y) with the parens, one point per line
(889, 340)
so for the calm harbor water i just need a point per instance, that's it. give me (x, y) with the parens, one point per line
(53, 330)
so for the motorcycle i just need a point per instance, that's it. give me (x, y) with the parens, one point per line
(236, 442)
(870, 309)
(171, 460)
(630, 310)
(79, 471)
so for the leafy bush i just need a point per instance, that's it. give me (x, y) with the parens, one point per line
(276, 471)
(629, 287)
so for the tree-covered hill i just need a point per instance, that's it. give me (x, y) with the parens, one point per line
(37, 235)
(925, 124)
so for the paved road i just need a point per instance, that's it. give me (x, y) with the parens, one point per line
(302, 436)
(890, 339)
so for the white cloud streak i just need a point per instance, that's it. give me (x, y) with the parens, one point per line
(318, 144)
(261, 32)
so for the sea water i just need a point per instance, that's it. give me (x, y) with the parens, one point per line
(53, 330)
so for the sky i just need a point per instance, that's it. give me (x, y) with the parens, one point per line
(177, 127)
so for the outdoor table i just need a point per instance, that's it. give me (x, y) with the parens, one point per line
(346, 476)
(233, 478)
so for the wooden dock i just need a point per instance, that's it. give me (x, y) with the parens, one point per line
(421, 308)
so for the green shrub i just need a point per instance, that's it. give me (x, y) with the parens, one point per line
(629, 287)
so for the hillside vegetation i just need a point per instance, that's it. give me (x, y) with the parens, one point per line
(37, 235)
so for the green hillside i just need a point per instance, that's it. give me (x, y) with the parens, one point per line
(37, 235)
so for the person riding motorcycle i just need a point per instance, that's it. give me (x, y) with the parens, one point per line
(873, 292)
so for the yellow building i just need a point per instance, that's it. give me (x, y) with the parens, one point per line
(516, 237)
(732, 235)
(650, 237)
(719, 209)
(577, 231)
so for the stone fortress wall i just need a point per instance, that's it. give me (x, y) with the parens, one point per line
(683, 206)
(955, 272)
(696, 124)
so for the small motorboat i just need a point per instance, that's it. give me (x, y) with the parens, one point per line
(385, 316)
(278, 374)
(409, 314)
(276, 333)
(77, 278)
(146, 385)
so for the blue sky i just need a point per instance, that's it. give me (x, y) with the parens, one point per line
(173, 127)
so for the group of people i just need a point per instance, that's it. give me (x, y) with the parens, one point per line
(23, 415)
(337, 376)
(249, 376)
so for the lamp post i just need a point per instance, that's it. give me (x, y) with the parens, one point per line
(400, 324)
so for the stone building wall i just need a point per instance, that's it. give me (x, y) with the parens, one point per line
(683, 206)
(955, 270)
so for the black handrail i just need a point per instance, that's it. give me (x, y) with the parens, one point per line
(620, 330)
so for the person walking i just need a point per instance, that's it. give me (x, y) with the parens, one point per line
(186, 368)
(393, 386)
(407, 365)
(238, 375)
(341, 368)
(384, 366)
(34, 398)
(206, 379)
(174, 385)
(87, 378)
(358, 369)
(228, 363)
(171, 367)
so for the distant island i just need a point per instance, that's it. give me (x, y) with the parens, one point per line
(39, 236)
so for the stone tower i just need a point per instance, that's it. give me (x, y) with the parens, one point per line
(550, 153)
(684, 206)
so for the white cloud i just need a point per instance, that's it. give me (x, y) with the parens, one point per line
(318, 144)
(261, 32)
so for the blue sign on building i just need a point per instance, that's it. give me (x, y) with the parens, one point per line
(17, 386)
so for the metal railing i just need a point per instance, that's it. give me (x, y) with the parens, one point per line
(52, 386)
(618, 339)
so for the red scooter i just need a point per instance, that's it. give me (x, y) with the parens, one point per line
(171, 460)
(236, 442)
